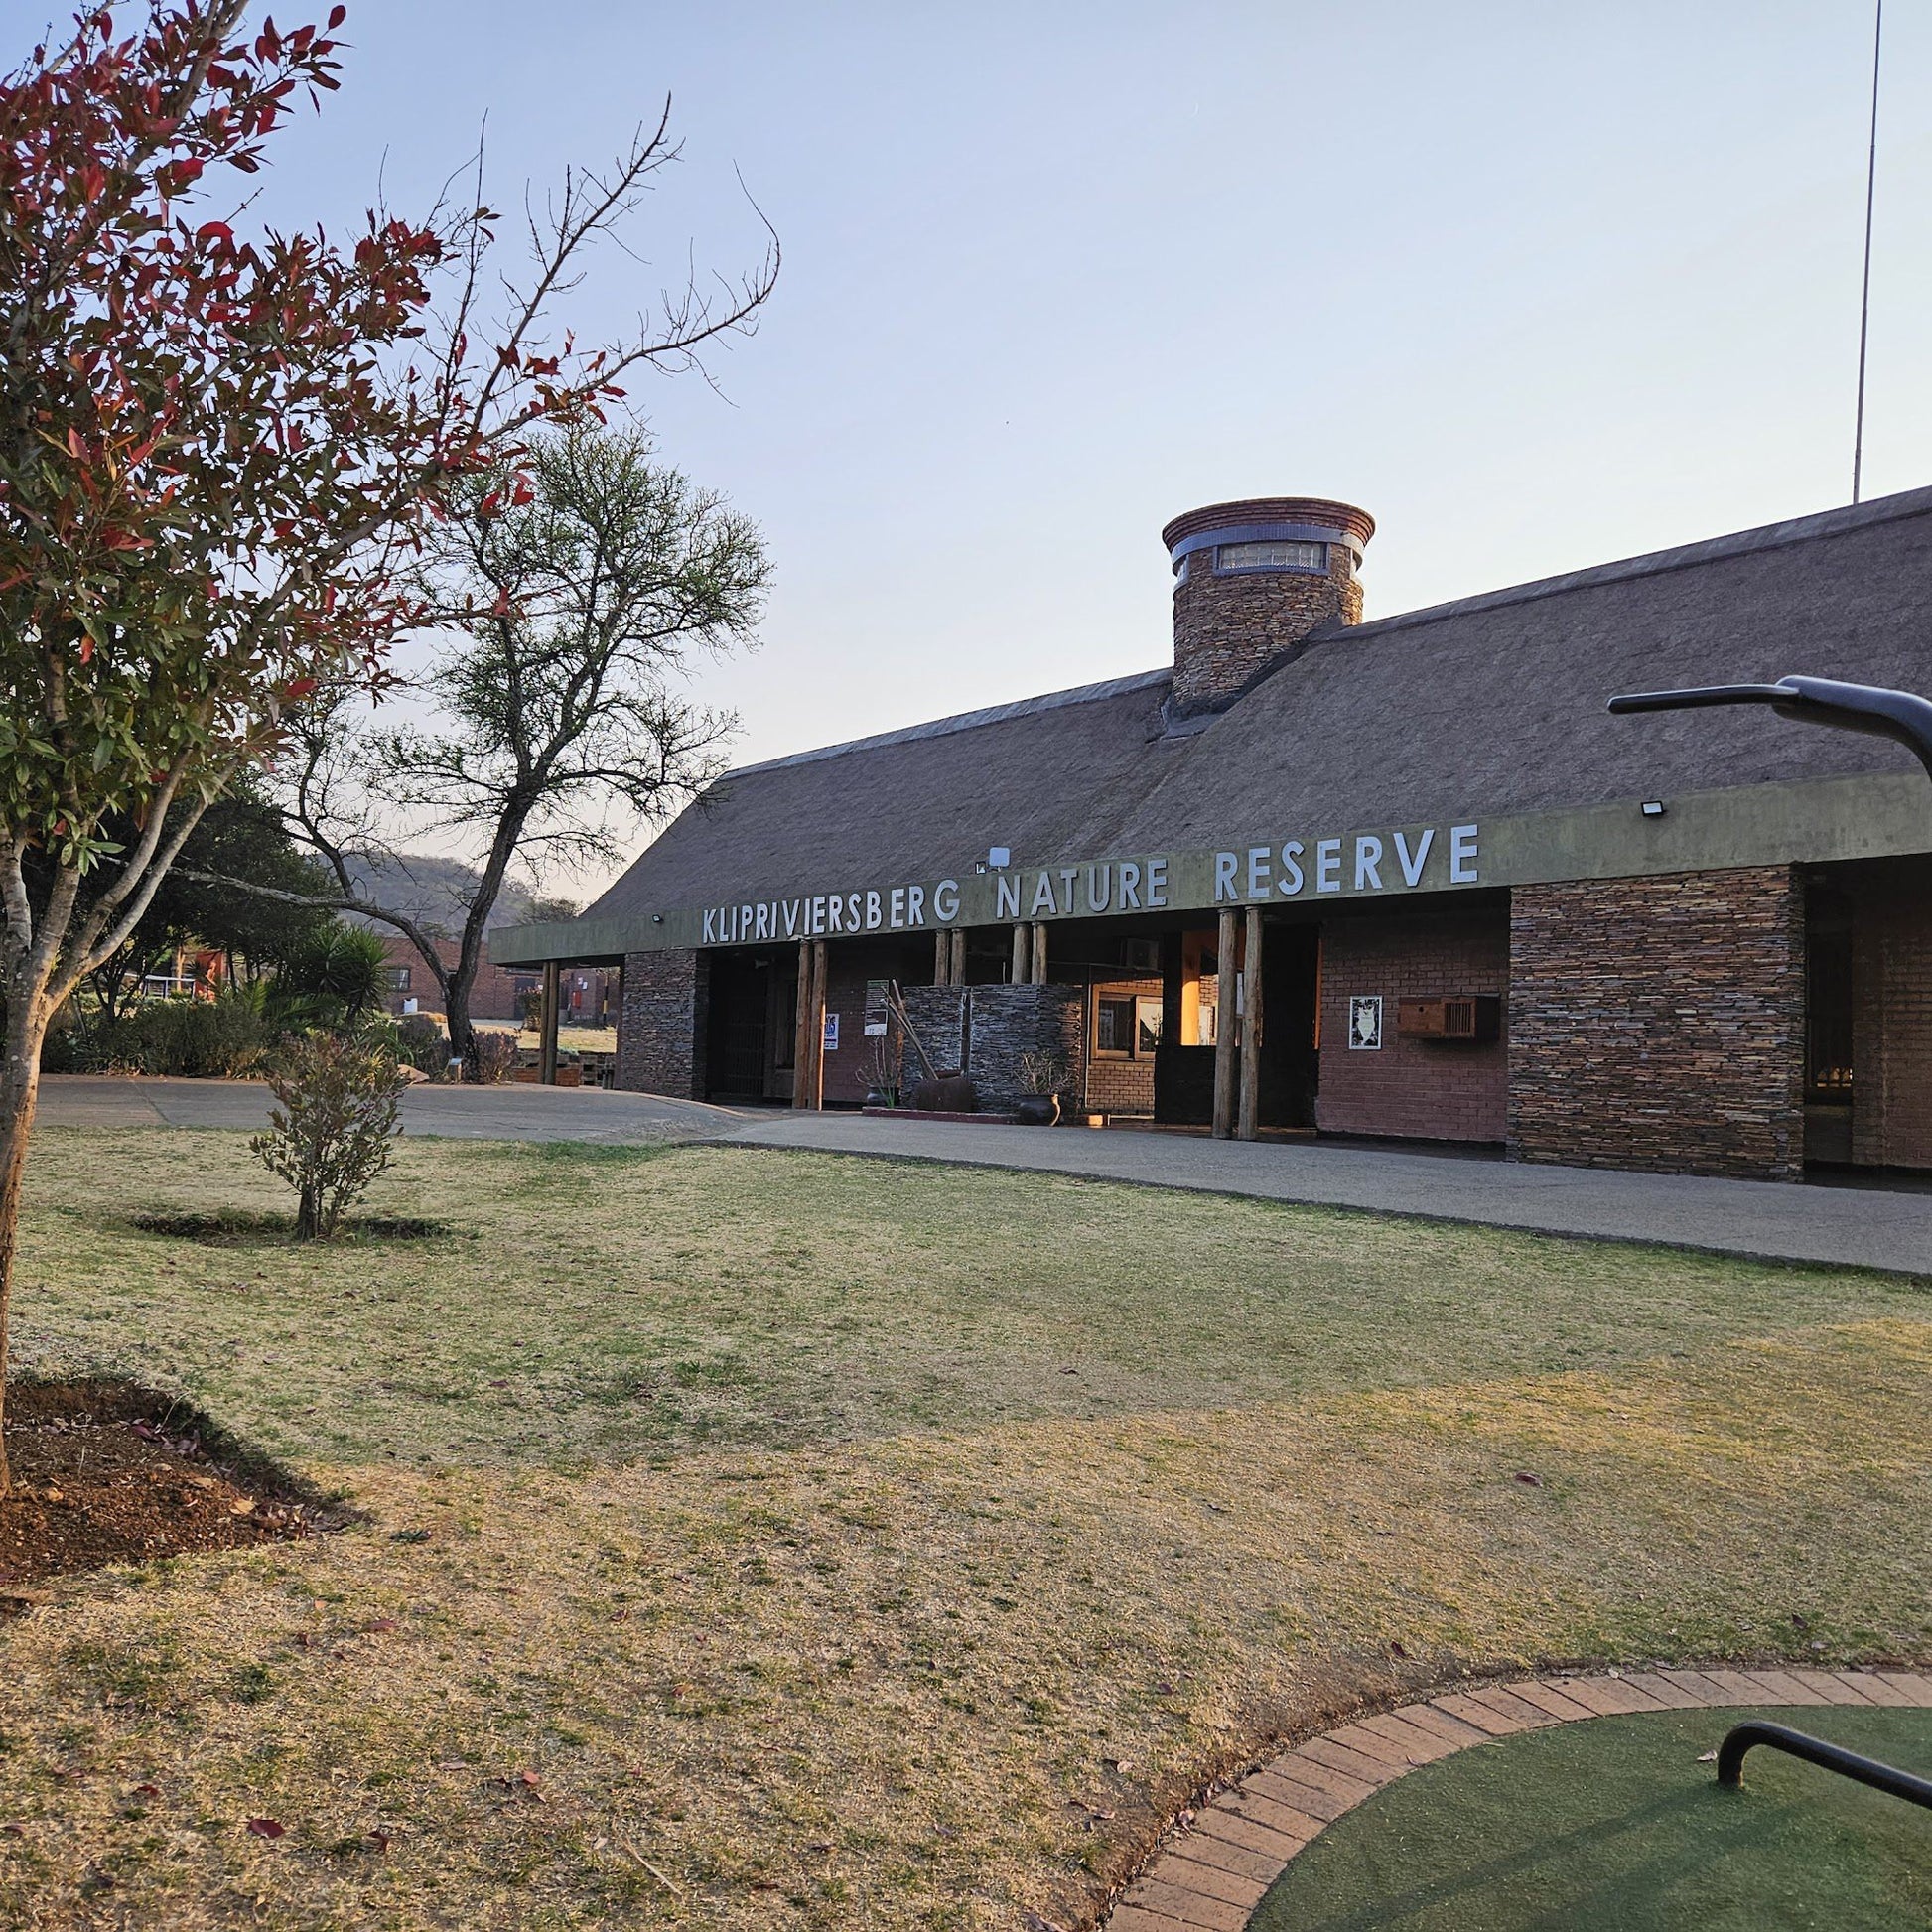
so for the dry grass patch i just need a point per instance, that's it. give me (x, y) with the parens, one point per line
(852, 1606)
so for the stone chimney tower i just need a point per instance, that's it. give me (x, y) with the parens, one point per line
(1251, 581)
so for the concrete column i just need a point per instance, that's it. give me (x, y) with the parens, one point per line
(1226, 1028)
(547, 1027)
(1022, 954)
(1249, 1126)
(1039, 955)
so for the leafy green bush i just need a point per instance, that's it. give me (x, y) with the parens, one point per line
(422, 1042)
(333, 980)
(198, 1040)
(334, 1125)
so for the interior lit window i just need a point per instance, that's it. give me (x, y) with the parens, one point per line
(1127, 1026)
(1270, 556)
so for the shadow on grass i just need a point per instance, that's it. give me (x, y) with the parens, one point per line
(240, 1228)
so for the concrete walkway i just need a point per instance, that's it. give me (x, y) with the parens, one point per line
(1211, 1875)
(507, 1113)
(1870, 1227)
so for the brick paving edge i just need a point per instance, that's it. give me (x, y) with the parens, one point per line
(1205, 1875)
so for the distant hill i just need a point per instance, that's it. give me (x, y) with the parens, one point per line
(435, 891)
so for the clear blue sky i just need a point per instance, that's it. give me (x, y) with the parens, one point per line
(1536, 285)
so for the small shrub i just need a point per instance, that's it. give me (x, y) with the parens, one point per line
(491, 1056)
(422, 1043)
(335, 1127)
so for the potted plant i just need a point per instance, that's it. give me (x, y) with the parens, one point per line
(1042, 1076)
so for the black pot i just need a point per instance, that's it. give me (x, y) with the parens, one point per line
(878, 1097)
(1038, 1110)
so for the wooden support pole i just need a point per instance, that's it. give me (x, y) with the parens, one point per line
(815, 1099)
(801, 1037)
(1250, 1115)
(1021, 948)
(942, 957)
(547, 1035)
(959, 957)
(1226, 1028)
(1039, 955)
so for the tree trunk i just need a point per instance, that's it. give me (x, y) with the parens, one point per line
(20, 1078)
(462, 1034)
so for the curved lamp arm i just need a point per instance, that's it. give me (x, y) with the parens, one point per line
(1812, 701)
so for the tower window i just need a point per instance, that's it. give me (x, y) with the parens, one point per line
(1270, 556)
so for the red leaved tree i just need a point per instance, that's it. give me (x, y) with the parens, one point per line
(217, 451)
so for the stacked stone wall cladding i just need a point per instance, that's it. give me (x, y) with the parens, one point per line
(936, 1013)
(986, 1030)
(663, 1022)
(1892, 1017)
(1228, 623)
(1658, 1024)
(1445, 1090)
(1007, 1021)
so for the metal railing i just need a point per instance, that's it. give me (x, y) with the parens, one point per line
(1814, 1750)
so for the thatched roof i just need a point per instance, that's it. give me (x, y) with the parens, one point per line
(1490, 705)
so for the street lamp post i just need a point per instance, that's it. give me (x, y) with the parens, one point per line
(1863, 707)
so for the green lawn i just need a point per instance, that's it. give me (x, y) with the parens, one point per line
(859, 1544)
(1613, 1826)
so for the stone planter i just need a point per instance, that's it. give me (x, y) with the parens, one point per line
(1038, 1110)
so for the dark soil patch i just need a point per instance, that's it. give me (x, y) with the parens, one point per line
(107, 1472)
(237, 1228)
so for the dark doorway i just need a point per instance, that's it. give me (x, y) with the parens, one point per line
(740, 1029)
(1290, 1057)
(749, 1036)
(1827, 1026)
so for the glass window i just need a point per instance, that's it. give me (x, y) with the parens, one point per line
(1127, 1026)
(399, 977)
(1270, 556)
(1113, 1025)
(1147, 1025)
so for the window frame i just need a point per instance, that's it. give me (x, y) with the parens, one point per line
(1318, 568)
(1134, 999)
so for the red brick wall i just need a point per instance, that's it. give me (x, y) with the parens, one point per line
(1118, 1086)
(1424, 1089)
(1892, 1018)
(492, 997)
(1659, 1023)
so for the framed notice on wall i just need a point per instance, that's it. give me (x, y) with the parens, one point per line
(831, 1032)
(1365, 1022)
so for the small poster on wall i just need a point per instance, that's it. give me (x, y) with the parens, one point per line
(1365, 1022)
(831, 1032)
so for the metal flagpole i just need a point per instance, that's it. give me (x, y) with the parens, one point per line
(1864, 305)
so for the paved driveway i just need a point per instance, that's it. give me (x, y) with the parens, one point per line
(508, 1113)
(1865, 1226)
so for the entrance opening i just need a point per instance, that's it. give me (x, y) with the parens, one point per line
(1827, 1026)
(750, 1038)
(1290, 1036)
